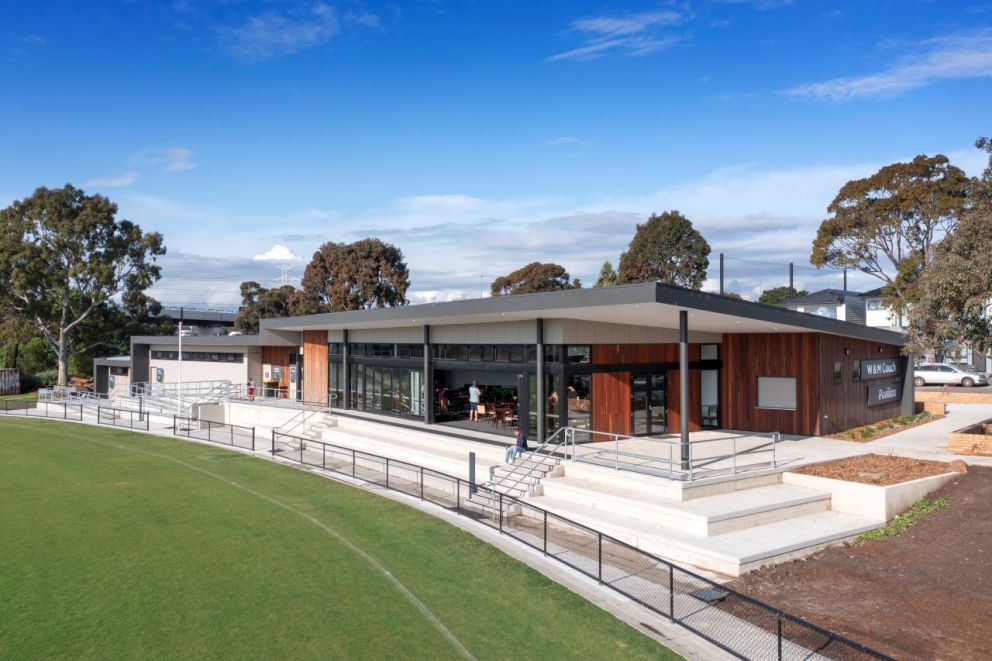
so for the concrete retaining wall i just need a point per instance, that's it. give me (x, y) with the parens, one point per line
(955, 395)
(870, 500)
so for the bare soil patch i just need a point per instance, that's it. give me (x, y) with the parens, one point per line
(923, 594)
(878, 469)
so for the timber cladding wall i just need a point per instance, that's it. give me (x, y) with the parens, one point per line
(748, 356)
(611, 390)
(315, 380)
(844, 405)
(279, 356)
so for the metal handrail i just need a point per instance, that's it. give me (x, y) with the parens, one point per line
(552, 447)
(675, 466)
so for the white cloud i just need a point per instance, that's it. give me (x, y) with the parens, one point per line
(629, 34)
(566, 140)
(958, 56)
(173, 159)
(278, 253)
(111, 182)
(271, 35)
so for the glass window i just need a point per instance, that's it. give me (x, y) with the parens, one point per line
(502, 353)
(874, 304)
(579, 395)
(579, 354)
(488, 353)
(709, 383)
(552, 353)
(838, 371)
(335, 349)
(516, 353)
(475, 352)
(856, 370)
(776, 392)
(709, 351)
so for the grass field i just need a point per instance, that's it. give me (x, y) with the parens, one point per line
(122, 545)
(32, 396)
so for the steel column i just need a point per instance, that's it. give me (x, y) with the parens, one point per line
(346, 370)
(539, 395)
(684, 386)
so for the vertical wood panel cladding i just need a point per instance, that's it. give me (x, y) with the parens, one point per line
(279, 356)
(845, 404)
(315, 379)
(611, 402)
(747, 356)
(611, 391)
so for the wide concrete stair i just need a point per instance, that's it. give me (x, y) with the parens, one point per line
(729, 526)
(434, 451)
(315, 429)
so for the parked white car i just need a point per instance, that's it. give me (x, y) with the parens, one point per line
(943, 374)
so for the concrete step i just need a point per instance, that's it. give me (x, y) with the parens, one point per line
(672, 489)
(732, 553)
(706, 516)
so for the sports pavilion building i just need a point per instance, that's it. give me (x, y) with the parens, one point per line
(642, 359)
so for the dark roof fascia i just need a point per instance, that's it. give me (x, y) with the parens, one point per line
(200, 340)
(543, 302)
(773, 314)
(115, 361)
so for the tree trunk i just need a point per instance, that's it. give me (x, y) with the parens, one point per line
(63, 360)
(17, 346)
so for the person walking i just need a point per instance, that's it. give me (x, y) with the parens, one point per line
(251, 390)
(473, 401)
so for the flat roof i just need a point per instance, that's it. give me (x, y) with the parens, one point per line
(647, 304)
(200, 340)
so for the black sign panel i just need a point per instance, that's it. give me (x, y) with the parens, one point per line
(879, 368)
(884, 394)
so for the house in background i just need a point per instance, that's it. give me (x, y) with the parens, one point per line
(836, 304)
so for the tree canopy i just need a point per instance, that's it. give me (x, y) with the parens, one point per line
(534, 278)
(667, 249)
(259, 303)
(954, 295)
(888, 224)
(64, 256)
(352, 276)
(779, 295)
(607, 276)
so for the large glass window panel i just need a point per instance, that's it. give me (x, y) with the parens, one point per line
(579, 394)
(709, 351)
(388, 393)
(710, 397)
(335, 385)
(579, 354)
(552, 407)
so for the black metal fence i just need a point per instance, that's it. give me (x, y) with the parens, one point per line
(214, 432)
(126, 418)
(735, 622)
(35, 409)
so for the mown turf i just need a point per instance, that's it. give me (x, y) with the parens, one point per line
(111, 549)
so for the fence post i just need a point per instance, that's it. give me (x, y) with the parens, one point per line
(501, 513)
(98, 414)
(323, 457)
(353, 462)
(458, 495)
(545, 532)
(779, 627)
(252, 439)
(671, 592)
(273, 442)
(421, 483)
(387, 472)
(600, 558)
(65, 411)
(230, 427)
(174, 425)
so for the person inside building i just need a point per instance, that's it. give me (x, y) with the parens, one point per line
(474, 394)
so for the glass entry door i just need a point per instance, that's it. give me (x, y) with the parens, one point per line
(648, 409)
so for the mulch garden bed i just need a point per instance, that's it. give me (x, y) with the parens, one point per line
(855, 434)
(923, 594)
(878, 469)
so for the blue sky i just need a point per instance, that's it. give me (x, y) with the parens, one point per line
(479, 136)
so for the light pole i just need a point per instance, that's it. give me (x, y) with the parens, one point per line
(179, 392)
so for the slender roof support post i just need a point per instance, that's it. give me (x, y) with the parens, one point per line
(539, 395)
(346, 369)
(684, 386)
(428, 378)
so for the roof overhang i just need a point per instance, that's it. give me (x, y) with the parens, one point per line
(649, 304)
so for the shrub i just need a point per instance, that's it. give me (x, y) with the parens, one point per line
(868, 431)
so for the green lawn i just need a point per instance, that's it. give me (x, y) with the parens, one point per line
(32, 396)
(112, 548)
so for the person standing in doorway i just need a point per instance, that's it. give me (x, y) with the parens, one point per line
(473, 401)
